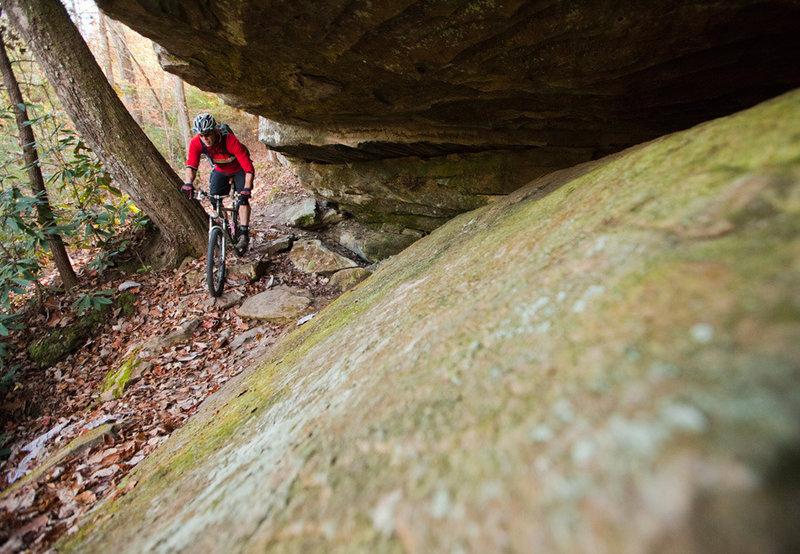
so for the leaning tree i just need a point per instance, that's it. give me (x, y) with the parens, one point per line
(106, 126)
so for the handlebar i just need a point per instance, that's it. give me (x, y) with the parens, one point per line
(200, 194)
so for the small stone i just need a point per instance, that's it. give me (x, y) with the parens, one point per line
(127, 285)
(280, 244)
(247, 336)
(252, 270)
(227, 300)
(182, 333)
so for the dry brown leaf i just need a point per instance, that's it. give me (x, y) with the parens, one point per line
(86, 497)
(34, 525)
(171, 386)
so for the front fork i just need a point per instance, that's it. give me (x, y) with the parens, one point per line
(232, 222)
(211, 226)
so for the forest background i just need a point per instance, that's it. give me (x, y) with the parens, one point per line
(97, 222)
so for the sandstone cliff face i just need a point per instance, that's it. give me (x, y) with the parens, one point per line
(604, 361)
(410, 111)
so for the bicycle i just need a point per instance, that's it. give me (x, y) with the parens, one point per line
(221, 232)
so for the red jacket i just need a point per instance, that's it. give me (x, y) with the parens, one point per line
(237, 159)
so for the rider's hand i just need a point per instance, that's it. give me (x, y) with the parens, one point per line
(244, 197)
(188, 190)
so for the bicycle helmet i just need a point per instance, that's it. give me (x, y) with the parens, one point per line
(204, 123)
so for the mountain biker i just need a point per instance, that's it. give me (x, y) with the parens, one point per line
(230, 160)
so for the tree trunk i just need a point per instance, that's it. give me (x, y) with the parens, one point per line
(183, 111)
(31, 157)
(126, 75)
(107, 127)
(105, 49)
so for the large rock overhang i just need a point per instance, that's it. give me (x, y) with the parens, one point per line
(409, 111)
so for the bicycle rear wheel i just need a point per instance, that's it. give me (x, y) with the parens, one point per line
(215, 262)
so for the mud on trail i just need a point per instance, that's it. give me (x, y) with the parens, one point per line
(44, 410)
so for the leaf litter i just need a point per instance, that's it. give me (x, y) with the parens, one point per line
(47, 409)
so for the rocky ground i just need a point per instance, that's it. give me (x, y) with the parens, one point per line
(45, 410)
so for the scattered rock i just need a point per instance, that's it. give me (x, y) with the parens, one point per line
(311, 256)
(227, 300)
(331, 216)
(280, 304)
(252, 270)
(348, 278)
(117, 380)
(246, 337)
(182, 333)
(128, 285)
(303, 214)
(61, 342)
(280, 244)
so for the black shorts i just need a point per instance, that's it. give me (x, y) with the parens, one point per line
(220, 183)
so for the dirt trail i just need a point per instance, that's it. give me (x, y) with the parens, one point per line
(64, 397)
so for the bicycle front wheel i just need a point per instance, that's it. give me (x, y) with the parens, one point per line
(215, 262)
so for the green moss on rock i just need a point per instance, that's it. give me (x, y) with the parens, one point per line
(62, 342)
(533, 375)
(125, 301)
(117, 380)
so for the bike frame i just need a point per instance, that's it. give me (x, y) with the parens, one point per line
(221, 231)
(219, 215)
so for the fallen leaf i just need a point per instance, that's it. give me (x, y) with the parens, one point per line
(86, 497)
(105, 472)
(135, 460)
(68, 510)
(20, 500)
(34, 525)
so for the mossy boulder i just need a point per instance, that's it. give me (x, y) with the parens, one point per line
(125, 302)
(129, 371)
(311, 256)
(62, 342)
(87, 440)
(606, 360)
(303, 214)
